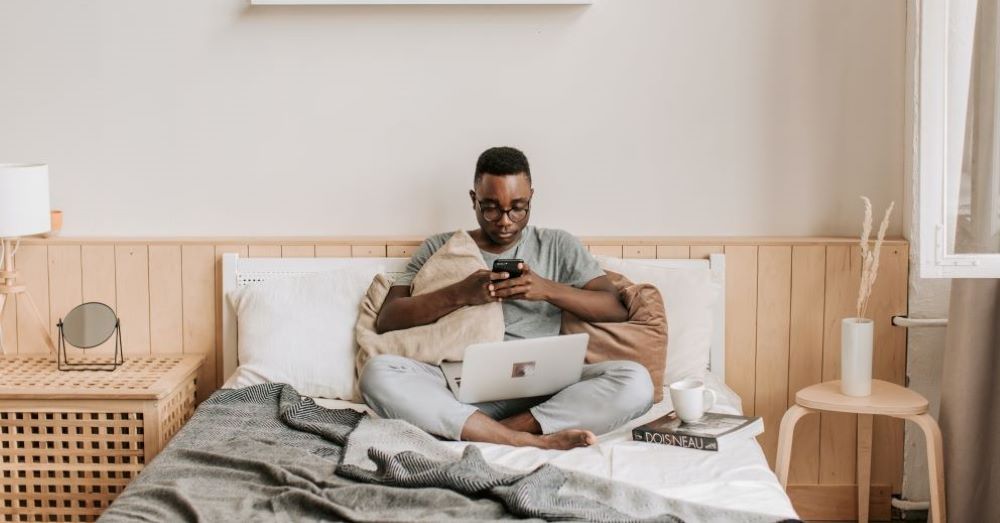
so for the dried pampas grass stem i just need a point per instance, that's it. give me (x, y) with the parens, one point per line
(869, 256)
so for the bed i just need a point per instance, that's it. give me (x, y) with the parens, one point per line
(734, 484)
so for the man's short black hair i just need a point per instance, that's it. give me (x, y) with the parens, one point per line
(502, 161)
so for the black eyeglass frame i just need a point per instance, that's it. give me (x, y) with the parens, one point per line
(526, 209)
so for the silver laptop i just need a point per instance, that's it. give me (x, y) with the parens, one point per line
(517, 369)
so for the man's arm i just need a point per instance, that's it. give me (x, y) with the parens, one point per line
(400, 310)
(597, 301)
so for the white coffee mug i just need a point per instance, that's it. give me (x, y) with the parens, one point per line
(688, 397)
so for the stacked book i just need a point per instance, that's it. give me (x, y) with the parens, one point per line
(710, 432)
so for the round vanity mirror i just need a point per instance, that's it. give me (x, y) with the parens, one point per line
(89, 325)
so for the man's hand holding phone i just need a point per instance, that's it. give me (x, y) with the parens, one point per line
(511, 266)
(523, 284)
(476, 288)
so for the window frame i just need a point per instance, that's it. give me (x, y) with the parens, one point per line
(933, 135)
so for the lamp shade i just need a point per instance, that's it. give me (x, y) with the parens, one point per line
(24, 199)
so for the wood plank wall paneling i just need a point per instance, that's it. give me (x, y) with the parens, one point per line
(774, 292)
(65, 288)
(805, 358)
(132, 291)
(785, 300)
(395, 251)
(333, 251)
(199, 292)
(166, 300)
(298, 251)
(99, 284)
(673, 251)
(264, 251)
(639, 251)
(368, 251)
(741, 322)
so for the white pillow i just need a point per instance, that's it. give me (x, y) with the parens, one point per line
(689, 295)
(300, 330)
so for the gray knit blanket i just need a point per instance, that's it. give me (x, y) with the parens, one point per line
(264, 453)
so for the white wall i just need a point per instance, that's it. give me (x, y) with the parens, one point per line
(197, 117)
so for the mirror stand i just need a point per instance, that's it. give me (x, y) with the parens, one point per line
(64, 364)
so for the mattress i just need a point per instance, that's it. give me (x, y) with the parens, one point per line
(737, 477)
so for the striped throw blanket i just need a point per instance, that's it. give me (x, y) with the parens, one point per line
(264, 453)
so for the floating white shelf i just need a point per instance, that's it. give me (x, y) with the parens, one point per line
(421, 2)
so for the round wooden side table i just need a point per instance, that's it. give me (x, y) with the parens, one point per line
(887, 399)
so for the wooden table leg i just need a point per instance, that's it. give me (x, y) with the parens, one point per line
(785, 436)
(864, 464)
(935, 464)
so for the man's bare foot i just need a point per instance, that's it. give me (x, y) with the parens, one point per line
(568, 439)
(480, 427)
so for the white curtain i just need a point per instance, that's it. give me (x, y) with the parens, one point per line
(978, 206)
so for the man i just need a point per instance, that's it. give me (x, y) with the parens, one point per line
(558, 274)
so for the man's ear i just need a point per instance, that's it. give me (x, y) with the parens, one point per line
(472, 196)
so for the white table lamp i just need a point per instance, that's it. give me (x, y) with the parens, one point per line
(24, 211)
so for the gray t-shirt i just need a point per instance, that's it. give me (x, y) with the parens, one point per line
(551, 253)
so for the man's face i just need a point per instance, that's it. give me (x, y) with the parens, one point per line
(502, 193)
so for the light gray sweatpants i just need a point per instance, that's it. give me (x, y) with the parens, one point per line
(608, 395)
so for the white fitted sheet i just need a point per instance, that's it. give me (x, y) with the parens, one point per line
(738, 477)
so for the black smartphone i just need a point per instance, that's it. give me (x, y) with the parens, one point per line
(508, 265)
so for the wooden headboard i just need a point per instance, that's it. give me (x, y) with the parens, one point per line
(784, 301)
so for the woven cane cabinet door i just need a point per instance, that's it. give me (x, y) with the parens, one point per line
(71, 441)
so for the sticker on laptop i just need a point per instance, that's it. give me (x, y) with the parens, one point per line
(522, 369)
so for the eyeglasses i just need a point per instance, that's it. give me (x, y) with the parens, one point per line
(493, 213)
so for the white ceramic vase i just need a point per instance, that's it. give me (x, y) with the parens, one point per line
(856, 338)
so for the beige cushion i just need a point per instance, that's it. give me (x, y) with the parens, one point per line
(445, 339)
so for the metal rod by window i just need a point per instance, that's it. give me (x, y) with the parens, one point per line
(903, 321)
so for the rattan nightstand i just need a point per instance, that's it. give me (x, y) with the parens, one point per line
(71, 441)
